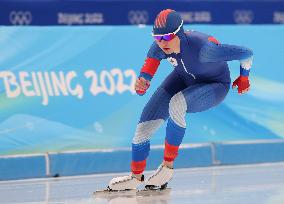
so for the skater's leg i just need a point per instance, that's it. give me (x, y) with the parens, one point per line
(153, 116)
(176, 126)
(197, 98)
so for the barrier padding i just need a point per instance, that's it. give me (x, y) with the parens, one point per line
(90, 162)
(67, 164)
(246, 153)
(22, 167)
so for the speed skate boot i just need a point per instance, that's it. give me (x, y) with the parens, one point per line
(123, 183)
(160, 178)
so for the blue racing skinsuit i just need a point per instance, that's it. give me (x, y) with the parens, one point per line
(200, 80)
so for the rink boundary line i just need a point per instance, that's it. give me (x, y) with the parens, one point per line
(98, 150)
(182, 146)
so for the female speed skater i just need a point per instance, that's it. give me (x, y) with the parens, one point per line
(200, 80)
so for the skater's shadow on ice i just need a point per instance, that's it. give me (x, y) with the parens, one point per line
(137, 197)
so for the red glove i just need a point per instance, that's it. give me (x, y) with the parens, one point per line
(242, 82)
(141, 86)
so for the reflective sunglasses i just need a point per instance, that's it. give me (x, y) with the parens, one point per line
(168, 36)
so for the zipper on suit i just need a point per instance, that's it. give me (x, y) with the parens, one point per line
(186, 70)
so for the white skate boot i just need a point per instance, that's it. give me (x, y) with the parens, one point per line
(160, 178)
(123, 183)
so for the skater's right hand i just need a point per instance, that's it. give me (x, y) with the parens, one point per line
(141, 86)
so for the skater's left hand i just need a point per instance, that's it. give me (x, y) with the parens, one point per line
(242, 82)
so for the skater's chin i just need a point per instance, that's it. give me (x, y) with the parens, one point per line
(167, 50)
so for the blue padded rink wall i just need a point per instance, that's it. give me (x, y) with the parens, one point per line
(245, 165)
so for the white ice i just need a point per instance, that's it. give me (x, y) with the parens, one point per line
(246, 184)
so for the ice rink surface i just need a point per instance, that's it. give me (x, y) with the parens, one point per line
(254, 184)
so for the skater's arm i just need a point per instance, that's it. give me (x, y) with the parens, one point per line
(152, 62)
(148, 70)
(213, 51)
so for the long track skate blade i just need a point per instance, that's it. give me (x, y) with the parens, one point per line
(153, 192)
(153, 187)
(107, 193)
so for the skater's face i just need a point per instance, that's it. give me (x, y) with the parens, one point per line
(170, 46)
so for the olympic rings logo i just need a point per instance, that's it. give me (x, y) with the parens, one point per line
(138, 17)
(20, 17)
(243, 16)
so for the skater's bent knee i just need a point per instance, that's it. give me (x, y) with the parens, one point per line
(177, 109)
